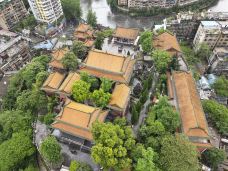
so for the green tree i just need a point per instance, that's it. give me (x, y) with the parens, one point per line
(49, 118)
(51, 150)
(79, 166)
(204, 52)
(155, 129)
(144, 96)
(40, 78)
(221, 86)
(162, 30)
(99, 41)
(161, 60)
(147, 45)
(91, 18)
(80, 91)
(213, 156)
(93, 81)
(166, 115)
(145, 35)
(145, 162)
(71, 9)
(178, 154)
(70, 61)
(31, 101)
(43, 60)
(79, 49)
(12, 122)
(100, 98)
(218, 114)
(134, 115)
(112, 145)
(15, 151)
(106, 84)
(29, 73)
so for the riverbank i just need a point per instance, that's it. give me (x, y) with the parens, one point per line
(196, 6)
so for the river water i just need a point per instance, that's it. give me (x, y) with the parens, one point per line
(106, 18)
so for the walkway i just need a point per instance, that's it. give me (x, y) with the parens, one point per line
(143, 112)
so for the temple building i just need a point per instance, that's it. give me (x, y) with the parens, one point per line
(126, 36)
(75, 122)
(57, 56)
(167, 42)
(184, 96)
(114, 67)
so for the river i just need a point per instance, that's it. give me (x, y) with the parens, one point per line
(106, 18)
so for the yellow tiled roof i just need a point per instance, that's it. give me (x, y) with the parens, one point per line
(167, 42)
(120, 96)
(59, 53)
(53, 81)
(68, 82)
(128, 33)
(77, 119)
(193, 119)
(57, 56)
(111, 66)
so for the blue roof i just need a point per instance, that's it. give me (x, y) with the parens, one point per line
(209, 23)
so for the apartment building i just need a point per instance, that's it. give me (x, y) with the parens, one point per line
(11, 12)
(186, 2)
(218, 61)
(14, 51)
(47, 11)
(122, 2)
(213, 33)
(154, 3)
(150, 3)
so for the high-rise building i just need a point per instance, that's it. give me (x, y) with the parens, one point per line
(11, 12)
(46, 11)
(213, 33)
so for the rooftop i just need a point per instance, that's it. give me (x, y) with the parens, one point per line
(57, 56)
(115, 67)
(120, 97)
(53, 82)
(76, 119)
(128, 33)
(210, 24)
(194, 123)
(167, 42)
(67, 84)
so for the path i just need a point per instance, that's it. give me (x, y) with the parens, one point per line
(143, 111)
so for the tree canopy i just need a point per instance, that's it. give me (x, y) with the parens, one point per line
(178, 154)
(146, 41)
(70, 61)
(204, 52)
(112, 145)
(221, 86)
(213, 156)
(79, 49)
(15, 151)
(161, 60)
(71, 9)
(106, 84)
(145, 161)
(100, 98)
(12, 122)
(218, 114)
(51, 150)
(80, 91)
(91, 18)
(99, 41)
